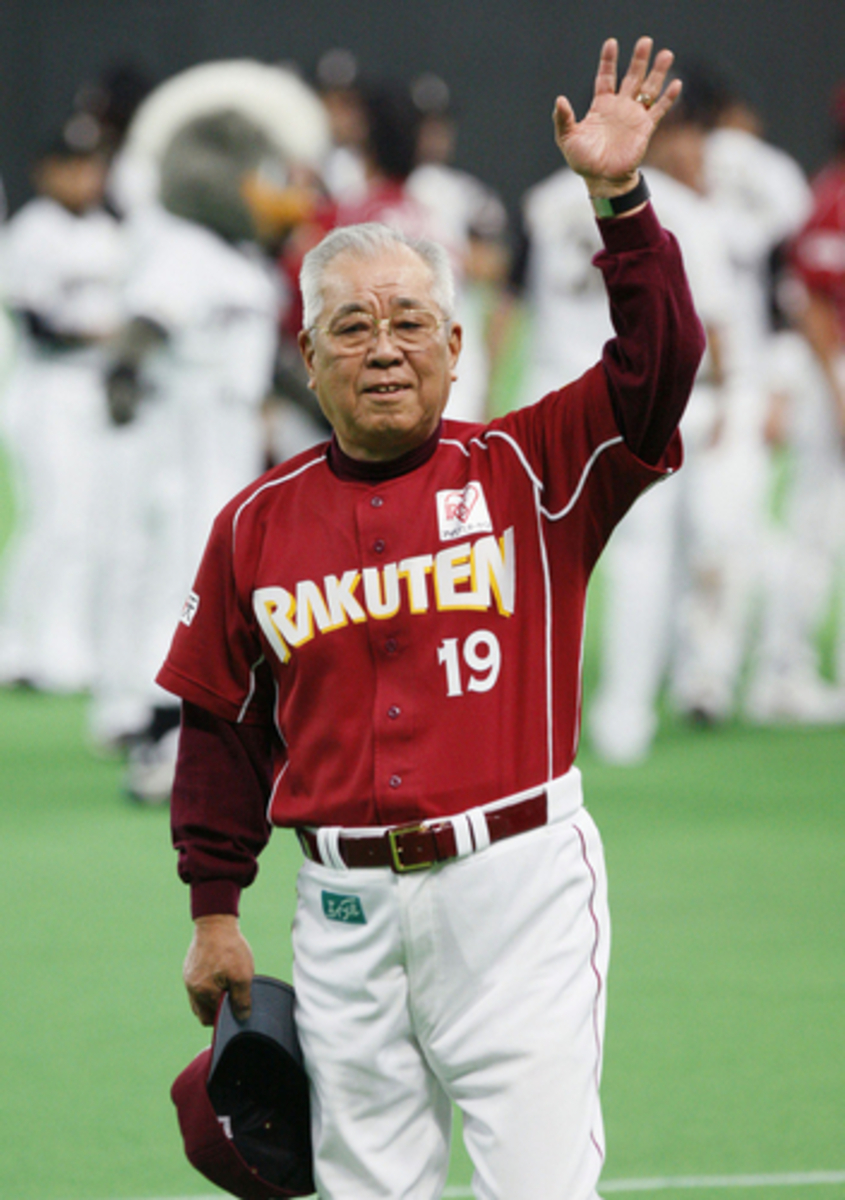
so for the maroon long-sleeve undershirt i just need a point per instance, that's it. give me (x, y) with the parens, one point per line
(223, 778)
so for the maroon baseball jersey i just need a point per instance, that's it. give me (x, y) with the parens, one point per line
(405, 638)
(423, 632)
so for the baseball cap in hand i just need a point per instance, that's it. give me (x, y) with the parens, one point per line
(243, 1104)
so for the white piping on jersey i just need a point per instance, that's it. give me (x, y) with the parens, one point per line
(274, 789)
(538, 483)
(251, 690)
(506, 437)
(547, 605)
(547, 651)
(271, 483)
(591, 462)
(278, 779)
(541, 512)
(576, 733)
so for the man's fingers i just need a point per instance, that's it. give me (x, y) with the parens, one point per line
(606, 73)
(240, 997)
(219, 959)
(652, 85)
(636, 73)
(666, 101)
(203, 1006)
(206, 1000)
(563, 117)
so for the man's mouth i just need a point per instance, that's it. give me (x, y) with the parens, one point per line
(385, 389)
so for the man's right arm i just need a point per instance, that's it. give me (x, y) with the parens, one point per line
(219, 827)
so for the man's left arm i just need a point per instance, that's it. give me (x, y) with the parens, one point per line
(651, 363)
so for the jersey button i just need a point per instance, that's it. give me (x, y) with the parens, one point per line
(391, 645)
(395, 781)
(379, 545)
(376, 501)
(394, 711)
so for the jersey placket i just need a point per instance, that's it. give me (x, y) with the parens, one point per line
(392, 718)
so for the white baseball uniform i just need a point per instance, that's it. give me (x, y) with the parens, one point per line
(787, 683)
(653, 564)
(65, 270)
(760, 197)
(645, 563)
(563, 289)
(463, 207)
(196, 439)
(807, 552)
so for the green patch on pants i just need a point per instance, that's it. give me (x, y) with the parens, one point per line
(346, 909)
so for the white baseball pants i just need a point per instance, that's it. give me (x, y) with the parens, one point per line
(480, 982)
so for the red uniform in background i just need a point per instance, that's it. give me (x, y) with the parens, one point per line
(818, 253)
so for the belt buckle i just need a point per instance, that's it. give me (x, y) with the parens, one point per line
(400, 867)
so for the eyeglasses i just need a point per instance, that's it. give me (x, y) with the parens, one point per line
(408, 329)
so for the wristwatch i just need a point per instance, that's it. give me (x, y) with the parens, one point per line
(615, 206)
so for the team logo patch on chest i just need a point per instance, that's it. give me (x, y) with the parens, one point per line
(348, 910)
(463, 511)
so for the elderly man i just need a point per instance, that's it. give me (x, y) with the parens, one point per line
(382, 651)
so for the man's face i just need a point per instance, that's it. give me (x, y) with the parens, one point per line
(77, 182)
(381, 400)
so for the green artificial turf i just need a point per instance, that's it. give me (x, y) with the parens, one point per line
(726, 1027)
(725, 1050)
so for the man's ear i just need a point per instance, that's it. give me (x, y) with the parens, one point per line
(456, 341)
(306, 349)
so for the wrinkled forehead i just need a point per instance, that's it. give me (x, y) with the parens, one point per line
(389, 279)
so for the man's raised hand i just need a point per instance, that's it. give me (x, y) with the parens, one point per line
(608, 145)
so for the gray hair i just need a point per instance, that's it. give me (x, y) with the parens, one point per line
(368, 241)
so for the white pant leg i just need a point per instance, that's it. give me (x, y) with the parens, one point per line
(380, 1119)
(803, 573)
(509, 967)
(725, 489)
(119, 700)
(482, 981)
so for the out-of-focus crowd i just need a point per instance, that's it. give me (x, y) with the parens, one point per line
(150, 371)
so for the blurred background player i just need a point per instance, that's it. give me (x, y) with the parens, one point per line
(760, 197)
(553, 277)
(62, 268)
(809, 371)
(391, 160)
(108, 101)
(433, 199)
(338, 85)
(648, 563)
(653, 563)
(189, 373)
(474, 222)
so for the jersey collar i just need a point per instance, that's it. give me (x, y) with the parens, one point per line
(355, 469)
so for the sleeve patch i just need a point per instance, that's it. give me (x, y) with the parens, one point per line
(189, 608)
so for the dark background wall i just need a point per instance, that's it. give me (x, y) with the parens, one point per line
(505, 60)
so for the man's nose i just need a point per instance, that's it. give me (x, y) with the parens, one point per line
(383, 346)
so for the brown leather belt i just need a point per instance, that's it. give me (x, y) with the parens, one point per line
(417, 846)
